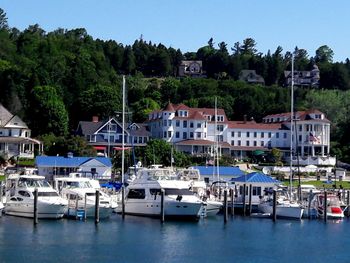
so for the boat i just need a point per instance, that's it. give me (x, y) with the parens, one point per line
(211, 206)
(285, 208)
(1, 208)
(143, 195)
(333, 208)
(20, 197)
(81, 197)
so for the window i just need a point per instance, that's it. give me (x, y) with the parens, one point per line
(220, 138)
(239, 134)
(198, 135)
(191, 134)
(164, 136)
(205, 135)
(164, 123)
(177, 123)
(184, 124)
(24, 193)
(184, 135)
(262, 134)
(220, 128)
(199, 125)
(191, 124)
(140, 139)
(232, 142)
(136, 194)
(300, 138)
(256, 190)
(169, 122)
(177, 135)
(285, 135)
(239, 143)
(262, 144)
(277, 135)
(135, 139)
(169, 134)
(233, 134)
(255, 144)
(269, 144)
(269, 134)
(248, 134)
(255, 134)
(247, 143)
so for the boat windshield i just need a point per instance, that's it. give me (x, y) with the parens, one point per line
(47, 194)
(333, 201)
(161, 175)
(26, 182)
(78, 184)
(174, 191)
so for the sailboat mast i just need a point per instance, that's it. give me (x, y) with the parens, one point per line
(123, 124)
(216, 140)
(291, 125)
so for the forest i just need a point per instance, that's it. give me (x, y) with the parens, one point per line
(53, 80)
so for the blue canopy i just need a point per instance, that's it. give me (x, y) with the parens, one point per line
(255, 177)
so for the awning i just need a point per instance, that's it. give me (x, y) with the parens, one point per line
(121, 148)
(258, 152)
(100, 147)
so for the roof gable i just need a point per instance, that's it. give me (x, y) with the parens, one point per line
(60, 161)
(16, 122)
(255, 177)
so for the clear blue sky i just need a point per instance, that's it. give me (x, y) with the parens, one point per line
(189, 24)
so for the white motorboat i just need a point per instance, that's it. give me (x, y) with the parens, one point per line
(20, 198)
(81, 196)
(1, 208)
(143, 196)
(333, 208)
(285, 208)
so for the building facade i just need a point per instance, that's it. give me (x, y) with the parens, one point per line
(205, 131)
(15, 137)
(106, 136)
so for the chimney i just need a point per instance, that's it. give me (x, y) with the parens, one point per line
(94, 118)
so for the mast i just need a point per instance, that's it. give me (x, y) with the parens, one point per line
(216, 141)
(291, 126)
(123, 124)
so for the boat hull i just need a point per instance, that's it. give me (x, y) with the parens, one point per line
(45, 210)
(282, 211)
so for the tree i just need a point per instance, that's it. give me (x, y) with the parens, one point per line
(324, 54)
(142, 108)
(50, 107)
(3, 20)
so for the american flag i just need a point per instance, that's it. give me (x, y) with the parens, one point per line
(313, 138)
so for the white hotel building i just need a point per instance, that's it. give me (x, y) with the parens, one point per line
(192, 130)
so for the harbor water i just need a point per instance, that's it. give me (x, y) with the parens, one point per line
(137, 239)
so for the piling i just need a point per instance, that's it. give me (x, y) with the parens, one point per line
(243, 201)
(123, 201)
(162, 214)
(325, 207)
(348, 203)
(309, 205)
(76, 206)
(85, 212)
(225, 206)
(232, 195)
(274, 214)
(97, 207)
(35, 206)
(250, 200)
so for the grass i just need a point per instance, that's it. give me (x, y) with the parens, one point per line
(321, 184)
(2, 178)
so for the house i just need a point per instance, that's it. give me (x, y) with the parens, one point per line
(191, 68)
(52, 166)
(106, 136)
(303, 78)
(251, 77)
(15, 140)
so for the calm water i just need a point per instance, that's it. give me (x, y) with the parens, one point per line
(147, 240)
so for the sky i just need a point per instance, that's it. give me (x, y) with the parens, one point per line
(189, 24)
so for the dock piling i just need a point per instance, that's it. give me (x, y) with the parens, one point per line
(348, 203)
(274, 214)
(162, 214)
(243, 201)
(76, 206)
(123, 201)
(35, 206)
(97, 207)
(309, 205)
(250, 200)
(225, 206)
(85, 207)
(232, 195)
(325, 207)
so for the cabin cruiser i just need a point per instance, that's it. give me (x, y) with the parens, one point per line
(81, 196)
(20, 197)
(285, 208)
(143, 196)
(211, 206)
(333, 208)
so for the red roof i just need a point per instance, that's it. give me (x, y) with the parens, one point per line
(253, 125)
(100, 147)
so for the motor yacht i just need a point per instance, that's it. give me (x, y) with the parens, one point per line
(333, 208)
(81, 196)
(20, 197)
(143, 195)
